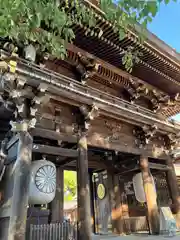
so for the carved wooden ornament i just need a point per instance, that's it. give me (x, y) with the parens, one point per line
(144, 134)
(115, 129)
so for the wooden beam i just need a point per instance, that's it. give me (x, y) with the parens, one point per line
(134, 168)
(50, 134)
(46, 149)
(69, 168)
(65, 162)
(53, 135)
(115, 108)
(158, 166)
(91, 164)
(121, 147)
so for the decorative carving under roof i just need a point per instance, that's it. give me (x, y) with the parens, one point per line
(89, 113)
(162, 102)
(86, 67)
(172, 141)
(159, 101)
(169, 142)
(144, 134)
(113, 126)
(115, 129)
(136, 90)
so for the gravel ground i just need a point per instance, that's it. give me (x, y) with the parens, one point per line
(135, 237)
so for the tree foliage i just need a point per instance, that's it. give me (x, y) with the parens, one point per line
(48, 23)
(70, 185)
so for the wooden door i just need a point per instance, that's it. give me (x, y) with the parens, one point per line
(102, 203)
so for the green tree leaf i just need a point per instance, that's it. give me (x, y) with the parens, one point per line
(70, 185)
(48, 24)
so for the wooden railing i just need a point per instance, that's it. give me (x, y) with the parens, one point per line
(54, 231)
(68, 231)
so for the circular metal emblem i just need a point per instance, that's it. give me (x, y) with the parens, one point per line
(101, 191)
(45, 179)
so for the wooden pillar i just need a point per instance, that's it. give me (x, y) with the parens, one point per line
(21, 175)
(110, 192)
(92, 201)
(117, 212)
(84, 210)
(57, 205)
(153, 214)
(173, 188)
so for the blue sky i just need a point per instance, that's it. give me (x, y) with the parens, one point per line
(166, 25)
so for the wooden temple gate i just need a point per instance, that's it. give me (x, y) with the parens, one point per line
(86, 113)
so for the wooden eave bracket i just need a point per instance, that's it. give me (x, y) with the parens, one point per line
(143, 135)
(136, 90)
(89, 113)
(172, 141)
(86, 67)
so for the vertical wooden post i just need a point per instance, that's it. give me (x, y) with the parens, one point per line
(21, 174)
(110, 200)
(84, 211)
(173, 189)
(57, 205)
(153, 214)
(92, 201)
(117, 223)
(126, 228)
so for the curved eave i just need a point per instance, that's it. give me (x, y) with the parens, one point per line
(160, 61)
(152, 42)
(171, 111)
(161, 47)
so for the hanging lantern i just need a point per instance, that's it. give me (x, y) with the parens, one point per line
(139, 187)
(30, 53)
(42, 187)
(177, 169)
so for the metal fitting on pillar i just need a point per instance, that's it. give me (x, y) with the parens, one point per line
(23, 126)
